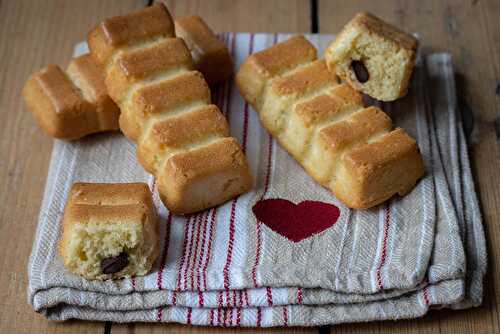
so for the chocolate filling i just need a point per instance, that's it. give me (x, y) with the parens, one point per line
(114, 264)
(360, 71)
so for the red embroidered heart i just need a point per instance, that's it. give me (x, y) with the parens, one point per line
(296, 222)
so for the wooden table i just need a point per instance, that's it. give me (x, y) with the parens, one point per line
(35, 33)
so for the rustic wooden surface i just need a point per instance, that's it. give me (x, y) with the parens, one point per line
(34, 33)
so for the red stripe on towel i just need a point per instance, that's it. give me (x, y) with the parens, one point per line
(285, 316)
(174, 298)
(159, 314)
(245, 298)
(299, 296)
(219, 293)
(426, 292)
(238, 317)
(201, 300)
(426, 297)
(387, 220)
(209, 248)
(230, 244)
(269, 293)
(181, 263)
(257, 255)
(202, 251)
(190, 251)
(197, 243)
(211, 317)
(240, 298)
(159, 280)
(224, 317)
(259, 317)
(188, 315)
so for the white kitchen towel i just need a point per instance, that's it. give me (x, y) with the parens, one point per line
(223, 267)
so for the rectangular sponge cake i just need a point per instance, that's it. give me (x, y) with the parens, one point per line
(181, 138)
(71, 104)
(75, 103)
(109, 230)
(344, 146)
(210, 55)
(373, 57)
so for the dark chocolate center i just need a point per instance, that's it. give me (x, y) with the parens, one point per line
(360, 71)
(114, 264)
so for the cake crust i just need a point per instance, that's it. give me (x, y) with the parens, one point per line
(72, 104)
(304, 80)
(373, 57)
(186, 176)
(374, 172)
(375, 25)
(116, 32)
(165, 57)
(102, 221)
(259, 67)
(167, 96)
(210, 55)
(171, 135)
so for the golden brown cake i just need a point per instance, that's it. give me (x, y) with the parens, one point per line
(211, 56)
(258, 69)
(181, 138)
(373, 57)
(71, 104)
(109, 231)
(324, 125)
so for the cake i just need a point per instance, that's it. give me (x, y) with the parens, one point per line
(72, 104)
(374, 57)
(109, 231)
(351, 149)
(181, 138)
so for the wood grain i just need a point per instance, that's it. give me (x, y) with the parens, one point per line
(470, 31)
(247, 15)
(33, 34)
(182, 329)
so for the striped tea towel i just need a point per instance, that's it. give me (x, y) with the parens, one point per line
(224, 267)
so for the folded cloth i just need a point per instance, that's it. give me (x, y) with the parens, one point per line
(298, 265)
